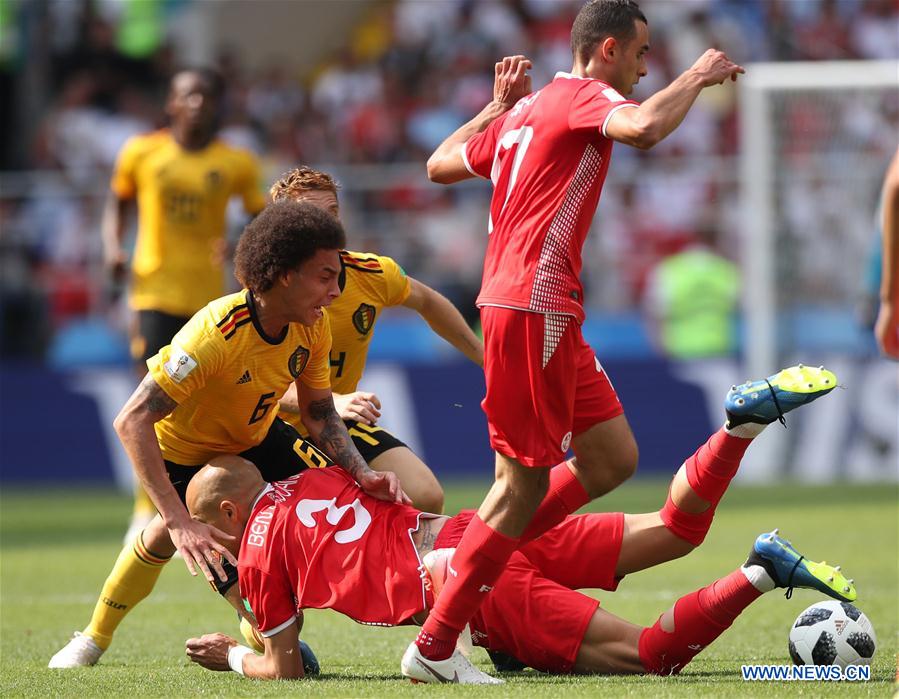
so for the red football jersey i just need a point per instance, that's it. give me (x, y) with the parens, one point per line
(547, 158)
(317, 541)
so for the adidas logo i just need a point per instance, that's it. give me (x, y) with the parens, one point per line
(245, 378)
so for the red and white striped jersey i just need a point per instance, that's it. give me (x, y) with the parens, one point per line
(318, 541)
(547, 158)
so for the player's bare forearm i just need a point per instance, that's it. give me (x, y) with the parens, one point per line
(646, 125)
(282, 660)
(112, 230)
(134, 425)
(889, 283)
(445, 320)
(444, 163)
(329, 433)
(510, 83)
(662, 113)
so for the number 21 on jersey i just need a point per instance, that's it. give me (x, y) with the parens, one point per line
(510, 152)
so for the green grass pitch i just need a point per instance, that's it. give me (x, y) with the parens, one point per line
(56, 548)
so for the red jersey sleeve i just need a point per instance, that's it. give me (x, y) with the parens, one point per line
(271, 599)
(479, 150)
(592, 106)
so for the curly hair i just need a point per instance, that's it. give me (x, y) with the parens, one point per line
(300, 179)
(599, 19)
(283, 236)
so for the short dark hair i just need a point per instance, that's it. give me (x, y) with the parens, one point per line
(210, 76)
(599, 19)
(283, 236)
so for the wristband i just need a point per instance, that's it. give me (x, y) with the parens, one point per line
(236, 655)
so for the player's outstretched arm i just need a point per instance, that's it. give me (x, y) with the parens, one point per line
(329, 433)
(886, 329)
(196, 541)
(445, 320)
(281, 661)
(646, 125)
(510, 83)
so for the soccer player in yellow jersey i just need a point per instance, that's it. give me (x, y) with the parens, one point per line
(369, 283)
(181, 179)
(215, 389)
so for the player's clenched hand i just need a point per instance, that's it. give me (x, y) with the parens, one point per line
(200, 548)
(210, 650)
(116, 262)
(511, 81)
(383, 485)
(714, 67)
(359, 406)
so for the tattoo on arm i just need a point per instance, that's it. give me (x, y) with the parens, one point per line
(153, 398)
(428, 537)
(333, 439)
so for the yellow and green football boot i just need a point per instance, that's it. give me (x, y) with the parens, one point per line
(789, 569)
(767, 400)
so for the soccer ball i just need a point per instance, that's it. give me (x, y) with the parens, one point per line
(832, 633)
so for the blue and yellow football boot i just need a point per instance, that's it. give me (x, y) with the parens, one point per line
(767, 400)
(789, 569)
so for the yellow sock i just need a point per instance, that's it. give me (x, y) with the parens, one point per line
(252, 636)
(143, 505)
(132, 578)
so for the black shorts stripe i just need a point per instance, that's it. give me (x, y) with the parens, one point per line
(238, 324)
(229, 314)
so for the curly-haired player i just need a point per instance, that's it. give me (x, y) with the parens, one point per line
(370, 283)
(214, 390)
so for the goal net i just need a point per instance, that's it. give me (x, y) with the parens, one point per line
(816, 140)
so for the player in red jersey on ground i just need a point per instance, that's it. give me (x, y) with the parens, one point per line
(317, 541)
(547, 154)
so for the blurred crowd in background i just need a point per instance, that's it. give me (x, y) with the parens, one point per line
(374, 110)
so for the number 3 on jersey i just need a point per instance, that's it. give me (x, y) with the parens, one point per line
(504, 172)
(306, 508)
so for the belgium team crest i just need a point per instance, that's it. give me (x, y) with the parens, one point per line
(364, 318)
(298, 361)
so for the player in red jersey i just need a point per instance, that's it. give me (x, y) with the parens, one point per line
(547, 154)
(317, 541)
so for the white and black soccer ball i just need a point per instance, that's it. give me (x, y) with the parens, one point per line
(832, 633)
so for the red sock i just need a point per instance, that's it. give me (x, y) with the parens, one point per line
(689, 526)
(699, 618)
(715, 463)
(564, 496)
(478, 562)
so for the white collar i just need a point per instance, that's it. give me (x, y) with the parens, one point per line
(571, 76)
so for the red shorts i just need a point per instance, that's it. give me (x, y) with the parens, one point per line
(533, 612)
(544, 384)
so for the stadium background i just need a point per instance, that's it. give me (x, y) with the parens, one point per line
(366, 90)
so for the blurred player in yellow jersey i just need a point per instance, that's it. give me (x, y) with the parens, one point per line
(369, 283)
(181, 180)
(214, 390)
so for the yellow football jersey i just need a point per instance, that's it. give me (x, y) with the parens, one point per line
(181, 199)
(368, 284)
(227, 376)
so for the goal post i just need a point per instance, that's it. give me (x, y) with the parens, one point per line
(760, 88)
(815, 141)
